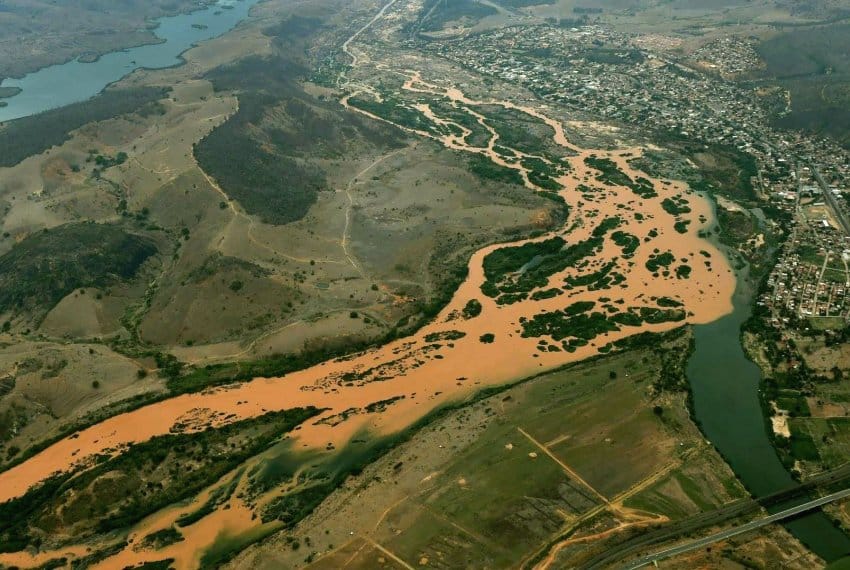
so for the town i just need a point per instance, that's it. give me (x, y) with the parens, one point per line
(597, 72)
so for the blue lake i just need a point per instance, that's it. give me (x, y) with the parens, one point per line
(74, 81)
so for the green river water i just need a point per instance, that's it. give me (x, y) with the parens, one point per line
(725, 385)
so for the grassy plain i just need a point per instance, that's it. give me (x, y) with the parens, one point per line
(495, 483)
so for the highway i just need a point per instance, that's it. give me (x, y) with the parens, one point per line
(614, 553)
(723, 535)
(829, 198)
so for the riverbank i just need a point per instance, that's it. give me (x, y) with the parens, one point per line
(63, 33)
(726, 387)
(629, 259)
(383, 390)
(6, 92)
(77, 80)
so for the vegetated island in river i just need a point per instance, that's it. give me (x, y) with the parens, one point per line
(6, 92)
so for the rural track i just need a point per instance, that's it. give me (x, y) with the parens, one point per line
(565, 467)
(354, 181)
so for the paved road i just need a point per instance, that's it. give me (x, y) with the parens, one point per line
(702, 542)
(829, 198)
(665, 534)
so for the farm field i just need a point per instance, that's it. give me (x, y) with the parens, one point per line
(502, 482)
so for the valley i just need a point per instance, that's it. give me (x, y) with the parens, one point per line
(326, 296)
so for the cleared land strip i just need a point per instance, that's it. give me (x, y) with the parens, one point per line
(563, 465)
(388, 553)
(723, 535)
(645, 483)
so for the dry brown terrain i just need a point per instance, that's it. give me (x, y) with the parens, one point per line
(238, 288)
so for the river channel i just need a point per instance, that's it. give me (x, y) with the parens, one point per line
(725, 386)
(75, 81)
(725, 383)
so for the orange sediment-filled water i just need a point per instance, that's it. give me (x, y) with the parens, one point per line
(426, 373)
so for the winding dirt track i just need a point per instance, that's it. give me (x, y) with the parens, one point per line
(425, 375)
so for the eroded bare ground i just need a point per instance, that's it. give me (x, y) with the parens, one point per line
(627, 259)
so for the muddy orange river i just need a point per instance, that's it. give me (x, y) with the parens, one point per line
(427, 377)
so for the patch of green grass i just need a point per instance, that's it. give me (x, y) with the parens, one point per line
(162, 538)
(610, 174)
(579, 307)
(735, 227)
(681, 226)
(810, 254)
(216, 498)
(227, 546)
(166, 564)
(515, 271)
(606, 226)
(293, 507)
(830, 435)
(596, 280)
(800, 446)
(655, 316)
(826, 323)
(675, 206)
(546, 294)
(444, 335)
(559, 325)
(841, 564)
(628, 242)
(683, 271)
(657, 261)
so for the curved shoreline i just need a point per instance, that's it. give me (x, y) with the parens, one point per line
(180, 57)
(427, 373)
(96, 55)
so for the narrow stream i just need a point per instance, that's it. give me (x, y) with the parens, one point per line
(725, 388)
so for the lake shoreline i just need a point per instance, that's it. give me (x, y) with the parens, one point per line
(114, 66)
(93, 55)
